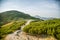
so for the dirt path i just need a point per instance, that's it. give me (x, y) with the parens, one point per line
(14, 36)
(26, 24)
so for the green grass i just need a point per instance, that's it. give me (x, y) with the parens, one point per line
(47, 27)
(10, 28)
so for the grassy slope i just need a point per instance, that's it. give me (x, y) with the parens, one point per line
(48, 27)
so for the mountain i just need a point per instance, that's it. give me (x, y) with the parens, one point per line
(8, 16)
(15, 14)
(43, 18)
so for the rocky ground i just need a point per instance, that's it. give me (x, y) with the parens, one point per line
(24, 36)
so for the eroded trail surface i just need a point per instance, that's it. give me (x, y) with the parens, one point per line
(20, 35)
(15, 35)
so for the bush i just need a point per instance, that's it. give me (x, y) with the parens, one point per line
(48, 27)
(10, 27)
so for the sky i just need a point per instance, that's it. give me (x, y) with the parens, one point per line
(43, 8)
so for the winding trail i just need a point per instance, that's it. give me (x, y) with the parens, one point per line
(26, 24)
(14, 36)
(18, 31)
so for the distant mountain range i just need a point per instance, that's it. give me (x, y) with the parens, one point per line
(43, 18)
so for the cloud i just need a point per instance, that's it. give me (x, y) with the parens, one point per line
(46, 8)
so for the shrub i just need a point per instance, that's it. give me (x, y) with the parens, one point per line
(48, 27)
(10, 27)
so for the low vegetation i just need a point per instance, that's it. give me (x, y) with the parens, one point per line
(10, 27)
(47, 27)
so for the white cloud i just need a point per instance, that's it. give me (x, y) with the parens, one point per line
(42, 8)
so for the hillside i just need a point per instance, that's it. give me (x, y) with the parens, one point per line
(8, 16)
(37, 30)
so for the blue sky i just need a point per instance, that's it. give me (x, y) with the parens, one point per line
(43, 8)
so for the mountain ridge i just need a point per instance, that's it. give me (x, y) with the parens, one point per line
(8, 16)
(43, 18)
